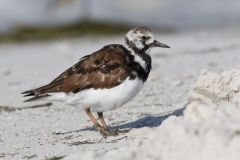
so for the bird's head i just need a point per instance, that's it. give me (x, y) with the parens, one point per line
(142, 39)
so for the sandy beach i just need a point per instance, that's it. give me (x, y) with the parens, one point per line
(188, 109)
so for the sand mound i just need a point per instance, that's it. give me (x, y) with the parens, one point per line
(214, 88)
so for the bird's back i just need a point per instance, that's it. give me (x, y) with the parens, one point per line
(103, 69)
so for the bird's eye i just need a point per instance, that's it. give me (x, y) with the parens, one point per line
(145, 37)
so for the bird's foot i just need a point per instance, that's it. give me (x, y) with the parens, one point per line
(107, 133)
(118, 131)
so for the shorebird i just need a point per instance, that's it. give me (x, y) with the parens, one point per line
(104, 80)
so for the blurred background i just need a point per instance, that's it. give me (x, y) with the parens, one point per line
(39, 39)
(43, 19)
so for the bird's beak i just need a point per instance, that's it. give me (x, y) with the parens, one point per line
(158, 44)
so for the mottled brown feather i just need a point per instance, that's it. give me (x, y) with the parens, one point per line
(105, 68)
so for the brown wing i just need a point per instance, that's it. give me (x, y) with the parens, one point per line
(105, 68)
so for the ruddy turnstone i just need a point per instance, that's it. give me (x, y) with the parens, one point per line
(104, 80)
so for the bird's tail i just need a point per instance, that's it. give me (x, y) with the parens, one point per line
(38, 93)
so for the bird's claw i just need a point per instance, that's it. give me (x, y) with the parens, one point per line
(107, 133)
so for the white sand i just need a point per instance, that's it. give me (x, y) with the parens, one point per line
(207, 129)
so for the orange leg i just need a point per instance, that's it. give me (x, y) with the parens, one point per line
(102, 129)
(93, 119)
(104, 125)
(98, 127)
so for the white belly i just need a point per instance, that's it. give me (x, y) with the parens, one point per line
(102, 99)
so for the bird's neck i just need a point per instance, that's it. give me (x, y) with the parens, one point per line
(140, 57)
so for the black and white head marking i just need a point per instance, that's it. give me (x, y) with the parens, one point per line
(140, 38)
(139, 41)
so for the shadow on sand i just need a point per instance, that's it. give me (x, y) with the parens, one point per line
(147, 121)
